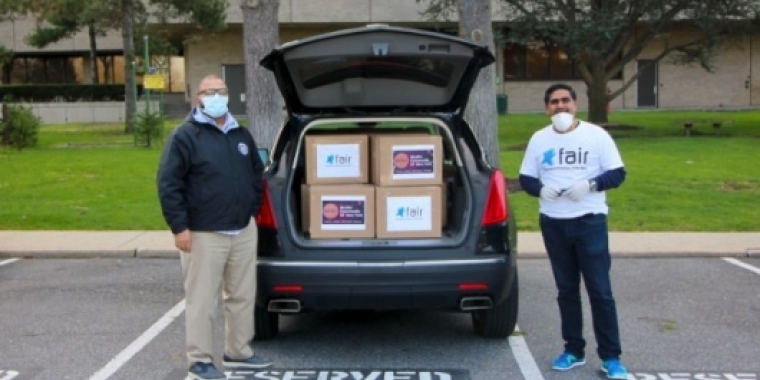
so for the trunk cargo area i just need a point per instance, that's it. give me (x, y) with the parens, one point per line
(399, 181)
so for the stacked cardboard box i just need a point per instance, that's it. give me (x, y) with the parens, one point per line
(399, 195)
(407, 173)
(336, 201)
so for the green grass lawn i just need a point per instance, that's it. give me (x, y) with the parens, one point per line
(92, 177)
(674, 183)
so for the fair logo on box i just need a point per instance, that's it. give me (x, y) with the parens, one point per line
(409, 214)
(413, 161)
(344, 213)
(338, 161)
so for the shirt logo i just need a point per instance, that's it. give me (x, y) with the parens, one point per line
(565, 157)
(548, 157)
(243, 149)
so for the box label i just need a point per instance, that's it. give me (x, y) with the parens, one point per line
(338, 161)
(409, 213)
(413, 161)
(344, 213)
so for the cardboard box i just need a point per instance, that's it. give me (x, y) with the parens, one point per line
(409, 160)
(338, 159)
(408, 212)
(338, 212)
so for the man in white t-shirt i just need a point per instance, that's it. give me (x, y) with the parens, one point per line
(569, 165)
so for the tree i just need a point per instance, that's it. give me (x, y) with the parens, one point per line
(8, 10)
(475, 23)
(128, 40)
(264, 104)
(67, 17)
(602, 36)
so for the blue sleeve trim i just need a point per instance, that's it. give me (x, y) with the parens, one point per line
(610, 179)
(531, 185)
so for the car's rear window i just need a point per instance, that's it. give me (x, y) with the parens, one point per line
(324, 71)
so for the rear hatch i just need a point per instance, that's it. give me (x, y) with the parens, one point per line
(377, 68)
(356, 80)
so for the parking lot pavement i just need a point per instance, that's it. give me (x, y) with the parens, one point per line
(681, 319)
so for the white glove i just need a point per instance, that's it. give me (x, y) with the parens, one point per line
(578, 190)
(549, 193)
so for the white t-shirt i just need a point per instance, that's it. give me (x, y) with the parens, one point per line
(560, 159)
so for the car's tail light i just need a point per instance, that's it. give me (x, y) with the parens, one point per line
(266, 213)
(495, 211)
(288, 288)
(470, 286)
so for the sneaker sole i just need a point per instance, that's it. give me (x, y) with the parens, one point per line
(623, 377)
(576, 364)
(236, 365)
(193, 376)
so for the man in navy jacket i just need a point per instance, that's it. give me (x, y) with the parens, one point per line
(210, 188)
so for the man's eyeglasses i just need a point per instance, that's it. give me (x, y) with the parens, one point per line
(565, 100)
(214, 91)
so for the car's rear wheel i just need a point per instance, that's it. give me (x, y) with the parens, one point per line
(266, 324)
(501, 320)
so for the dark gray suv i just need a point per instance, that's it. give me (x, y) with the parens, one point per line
(392, 81)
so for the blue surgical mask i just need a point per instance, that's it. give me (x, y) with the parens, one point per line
(215, 106)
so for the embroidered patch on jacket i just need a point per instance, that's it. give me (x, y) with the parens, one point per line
(243, 149)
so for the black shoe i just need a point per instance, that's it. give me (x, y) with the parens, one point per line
(252, 362)
(204, 371)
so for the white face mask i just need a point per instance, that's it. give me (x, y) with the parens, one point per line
(562, 121)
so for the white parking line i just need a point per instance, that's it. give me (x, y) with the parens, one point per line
(123, 357)
(742, 264)
(524, 358)
(9, 261)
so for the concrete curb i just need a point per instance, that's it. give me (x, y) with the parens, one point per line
(160, 244)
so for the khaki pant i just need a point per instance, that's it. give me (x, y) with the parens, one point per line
(220, 262)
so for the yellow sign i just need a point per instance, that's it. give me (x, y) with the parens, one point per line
(153, 81)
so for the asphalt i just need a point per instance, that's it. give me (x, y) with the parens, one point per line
(160, 244)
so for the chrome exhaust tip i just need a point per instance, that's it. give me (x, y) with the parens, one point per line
(284, 306)
(475, 303)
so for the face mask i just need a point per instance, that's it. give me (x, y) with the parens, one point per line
(215, 106)
(562, 121)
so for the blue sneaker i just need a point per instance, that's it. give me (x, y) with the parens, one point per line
(204, 371)
(567, 361)
(615, 369)
(252, 362)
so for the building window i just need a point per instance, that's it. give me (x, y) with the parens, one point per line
(64, 69)
(539, 61)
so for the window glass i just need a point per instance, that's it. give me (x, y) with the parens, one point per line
(539, 61)
(18, 71)
(514, 62)
(77, 68)
(105, 69)
(320, 72)
(561, 67)
(118, 70)
(536, 61)
(57, 70)
(35, 69)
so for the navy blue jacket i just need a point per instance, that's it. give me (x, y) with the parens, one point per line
(208, 180)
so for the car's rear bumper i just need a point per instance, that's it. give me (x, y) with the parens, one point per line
(383, 285)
